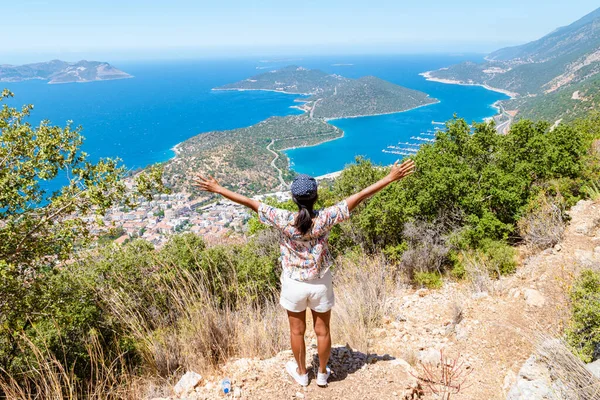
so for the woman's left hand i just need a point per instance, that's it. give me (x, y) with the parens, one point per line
(209, 184)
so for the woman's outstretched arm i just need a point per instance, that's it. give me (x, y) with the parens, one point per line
(210, 184)
(398, 172)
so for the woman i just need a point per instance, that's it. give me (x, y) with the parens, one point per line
(306, 280)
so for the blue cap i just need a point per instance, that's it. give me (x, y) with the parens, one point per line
(304, 186)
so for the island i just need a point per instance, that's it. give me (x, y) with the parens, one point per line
(57, 71)
(251, 160)
(333, 96)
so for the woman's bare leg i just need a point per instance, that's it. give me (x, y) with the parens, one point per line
(321, 325)
(297, 329)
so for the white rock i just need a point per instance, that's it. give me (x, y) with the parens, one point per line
(534, 298)
(187, 383)
(594, 368)
(429, 356)
(299, 395)
(237, 392)
(534, 382)
(479, 295)
(509, 380)
(558, 247)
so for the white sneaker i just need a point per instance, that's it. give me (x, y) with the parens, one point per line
(322, 378)
(292, 368)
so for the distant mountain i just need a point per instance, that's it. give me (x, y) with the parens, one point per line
(333, 96)
(57, 71)
(567, 59)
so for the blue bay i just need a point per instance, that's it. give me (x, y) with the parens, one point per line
(140, 120)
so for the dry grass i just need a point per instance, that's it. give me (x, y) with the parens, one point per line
(567, 368)
(200, 334)
(361, 292)
(543, 226)
(203, 334)
(47, 377)
(477, 272)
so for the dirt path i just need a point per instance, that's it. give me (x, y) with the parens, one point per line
(282, 183)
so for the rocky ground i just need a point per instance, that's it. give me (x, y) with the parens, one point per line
(492, 333)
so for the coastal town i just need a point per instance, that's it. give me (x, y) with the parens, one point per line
(167, 214)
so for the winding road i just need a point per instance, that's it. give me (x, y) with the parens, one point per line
(504, 127)
(281, 181)
(312, 110)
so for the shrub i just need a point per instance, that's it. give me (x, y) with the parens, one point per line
(583, 333)
(499, 257)
(427, 248)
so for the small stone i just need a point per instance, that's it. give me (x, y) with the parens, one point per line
(187, 383)
(479, 295)
(534, 298)
(299, 395)
(422, 292)
(558, 247)
(237, 392)
(597, 249)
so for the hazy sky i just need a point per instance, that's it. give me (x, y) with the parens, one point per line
(150, 28)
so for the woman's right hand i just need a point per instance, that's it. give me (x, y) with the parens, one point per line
(400, 171)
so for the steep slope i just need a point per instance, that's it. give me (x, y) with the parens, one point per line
(567, 59)
(576, 38)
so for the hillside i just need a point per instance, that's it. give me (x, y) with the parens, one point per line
(247, 159)
(368, 96)
(334, 96)
(57, 71)
(468, 322)
(567, 60)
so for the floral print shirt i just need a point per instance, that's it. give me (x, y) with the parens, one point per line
(304, 257)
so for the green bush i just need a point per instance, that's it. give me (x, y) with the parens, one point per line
(500, 257)
(583, 333)
(431, 280)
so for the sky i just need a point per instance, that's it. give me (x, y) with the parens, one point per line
(131, 29)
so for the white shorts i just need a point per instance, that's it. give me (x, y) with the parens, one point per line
(316, 294)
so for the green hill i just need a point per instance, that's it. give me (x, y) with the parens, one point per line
(334, 96)
(240, 158)
(368, 96)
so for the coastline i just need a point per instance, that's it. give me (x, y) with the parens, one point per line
(259, 90)
(427, 76)
(385, 113)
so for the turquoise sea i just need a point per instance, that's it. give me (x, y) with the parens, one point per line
(140, 120)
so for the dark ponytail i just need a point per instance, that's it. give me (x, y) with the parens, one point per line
(304, 219)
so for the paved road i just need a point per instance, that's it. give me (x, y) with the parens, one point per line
(504, 127)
